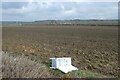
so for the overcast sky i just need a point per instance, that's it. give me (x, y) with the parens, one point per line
(32, 11)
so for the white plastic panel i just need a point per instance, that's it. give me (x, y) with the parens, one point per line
(63, 64)
(67, 69)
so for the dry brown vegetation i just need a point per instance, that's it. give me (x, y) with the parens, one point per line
(92, 48)
(22, 67)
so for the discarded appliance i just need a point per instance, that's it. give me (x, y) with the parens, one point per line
(63, 64)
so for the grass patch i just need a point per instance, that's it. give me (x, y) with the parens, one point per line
(73, 74)
(57, 72)
(84, 74)
(47, 64)
(77, 73)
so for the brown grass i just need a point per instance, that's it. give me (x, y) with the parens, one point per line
(22, 67)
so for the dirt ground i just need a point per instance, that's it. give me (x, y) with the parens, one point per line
(93, 48)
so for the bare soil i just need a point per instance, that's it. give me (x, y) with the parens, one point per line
(92, 48)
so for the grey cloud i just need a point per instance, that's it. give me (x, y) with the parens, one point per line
(8, 5)
(61, 10)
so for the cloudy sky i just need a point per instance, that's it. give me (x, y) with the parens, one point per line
(32, 11)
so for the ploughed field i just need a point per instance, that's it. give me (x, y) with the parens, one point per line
(92, 48)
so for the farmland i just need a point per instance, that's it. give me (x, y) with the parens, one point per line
(92, 48)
